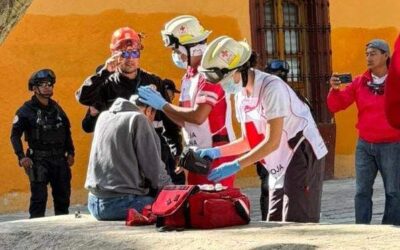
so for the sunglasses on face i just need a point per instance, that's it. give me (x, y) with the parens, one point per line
(45, 84)
(130, 54)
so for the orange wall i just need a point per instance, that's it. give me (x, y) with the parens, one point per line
(354, 23)
(72, 37)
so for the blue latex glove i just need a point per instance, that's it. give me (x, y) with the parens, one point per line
(212, 153)
(224, 170)
(151, 97)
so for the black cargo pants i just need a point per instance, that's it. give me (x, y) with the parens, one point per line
(53, 170)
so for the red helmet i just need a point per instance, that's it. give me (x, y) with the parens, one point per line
(125, 34)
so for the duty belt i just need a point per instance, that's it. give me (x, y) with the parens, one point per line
(47, 153)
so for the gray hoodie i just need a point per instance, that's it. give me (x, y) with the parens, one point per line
(125, 157)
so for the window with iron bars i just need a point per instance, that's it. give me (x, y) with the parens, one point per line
(284, 38)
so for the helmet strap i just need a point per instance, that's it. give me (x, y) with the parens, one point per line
(244, 72)
(40, 94)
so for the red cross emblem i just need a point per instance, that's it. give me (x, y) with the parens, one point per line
(224, 53)
(182, 29)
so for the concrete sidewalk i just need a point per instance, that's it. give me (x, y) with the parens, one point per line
(337, 203)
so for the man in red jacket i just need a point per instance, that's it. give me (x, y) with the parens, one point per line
(378, 146)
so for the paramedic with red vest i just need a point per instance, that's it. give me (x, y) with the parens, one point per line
(378, 146)
(277, 129)
(204, 110)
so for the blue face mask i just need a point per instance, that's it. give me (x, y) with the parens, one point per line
(230, 87)
(176, 58)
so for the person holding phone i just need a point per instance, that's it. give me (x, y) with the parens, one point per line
(378, 145)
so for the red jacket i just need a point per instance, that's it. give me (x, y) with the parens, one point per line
(392, 102)
(372, 124)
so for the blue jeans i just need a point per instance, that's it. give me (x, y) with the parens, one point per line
(116, 208)
(371, 158)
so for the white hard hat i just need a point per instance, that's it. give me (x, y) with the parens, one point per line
(223, 55)
(183, 30)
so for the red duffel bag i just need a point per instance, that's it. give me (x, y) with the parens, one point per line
(215, 209)
(178, 207)
(171, 206)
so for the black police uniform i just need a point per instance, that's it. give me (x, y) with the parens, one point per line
(47, 131)
(101, 89)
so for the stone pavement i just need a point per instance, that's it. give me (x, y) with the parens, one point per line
(337, 203)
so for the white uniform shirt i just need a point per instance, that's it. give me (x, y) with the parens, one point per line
(272, 98)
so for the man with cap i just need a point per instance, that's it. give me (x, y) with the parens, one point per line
(378, 145)
(204, 111)
(125, 166)
(121, 76)
(50, 152)
(170, 88)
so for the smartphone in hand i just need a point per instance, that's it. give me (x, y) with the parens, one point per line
(345, 78)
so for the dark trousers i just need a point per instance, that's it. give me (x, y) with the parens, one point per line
(302, 189)
(271, 210)
(371, 158)
(264, 190)
(56, 172)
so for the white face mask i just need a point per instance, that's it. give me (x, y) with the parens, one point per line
(176, 58)
(197, 50)
(229, 85)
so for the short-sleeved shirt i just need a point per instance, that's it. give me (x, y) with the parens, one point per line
(197, 90)
(273, 98)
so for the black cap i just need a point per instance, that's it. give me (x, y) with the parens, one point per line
(168, 84)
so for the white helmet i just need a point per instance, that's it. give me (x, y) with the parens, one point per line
(183, 30)
(222, 56)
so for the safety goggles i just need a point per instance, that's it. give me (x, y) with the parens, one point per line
(130, 54)
(46, 74)
(215, 75)
(278, 65)
(170, 41)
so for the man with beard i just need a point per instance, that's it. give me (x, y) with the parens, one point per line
(121, 76)
(50, 151)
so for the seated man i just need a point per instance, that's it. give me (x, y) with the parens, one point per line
(125, 161)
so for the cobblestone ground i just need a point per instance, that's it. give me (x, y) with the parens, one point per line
(337, 203)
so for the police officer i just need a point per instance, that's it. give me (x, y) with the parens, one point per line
(50, 152)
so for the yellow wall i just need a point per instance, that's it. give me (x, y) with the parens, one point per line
(354, 23)
(72, 37)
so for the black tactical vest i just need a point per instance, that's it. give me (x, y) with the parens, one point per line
(50, 129)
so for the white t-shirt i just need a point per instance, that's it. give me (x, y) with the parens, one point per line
(272, 98)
